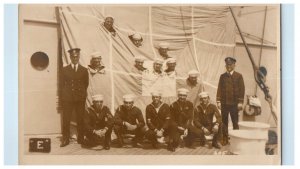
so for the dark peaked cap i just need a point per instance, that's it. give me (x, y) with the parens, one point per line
(230, 60)
(74, 50)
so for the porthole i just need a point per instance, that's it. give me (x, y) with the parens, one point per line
(39, 60)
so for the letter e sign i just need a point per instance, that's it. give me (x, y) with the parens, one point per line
(40, 145)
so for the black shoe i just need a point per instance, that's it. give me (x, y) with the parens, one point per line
(191, 146)
(188, 144)
(136, 144)
(216, 145)
(120, 145)
(202, 143)
(106, 147)
(225, 142)
(64, 143)
(154, 145)
(79, 141)
(171, 148)
(120, 142)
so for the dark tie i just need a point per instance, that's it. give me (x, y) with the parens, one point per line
(74, 68)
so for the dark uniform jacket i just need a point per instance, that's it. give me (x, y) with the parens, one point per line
(203, 117)
(160, 119)
(74, 84)
(133, 116)
(95, 120)
(182, 115)
(231, 89)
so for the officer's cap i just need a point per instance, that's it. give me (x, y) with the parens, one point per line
(230, 60)
(74, 50)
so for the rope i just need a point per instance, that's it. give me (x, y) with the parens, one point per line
(262, 42)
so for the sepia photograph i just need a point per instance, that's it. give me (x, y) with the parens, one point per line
(149, 84)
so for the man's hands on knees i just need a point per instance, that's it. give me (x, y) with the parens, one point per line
(100, 132)
(129, 126)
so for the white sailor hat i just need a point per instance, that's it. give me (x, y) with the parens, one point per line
(183, 91)
(156, 93)
(136, 36)
(193, 73)
(109, 16)
(128, 98)
(171, 60)
(98, 97)
(164, 45)
(96, 55)
(158, 61)
(139, 59)
(203, 94)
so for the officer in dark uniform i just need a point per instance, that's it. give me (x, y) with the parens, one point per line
(159, 122)
(182, 115)
(74, 83)
(129, 120)
(98, 123)
(230, 96)
(203, 119)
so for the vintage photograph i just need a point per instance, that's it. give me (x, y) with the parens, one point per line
(124, 82)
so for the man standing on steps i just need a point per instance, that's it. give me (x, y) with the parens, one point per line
(230, 96)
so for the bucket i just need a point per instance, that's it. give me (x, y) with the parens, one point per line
(248, 142)
(251, 125)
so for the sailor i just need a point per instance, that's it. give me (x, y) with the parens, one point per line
(98, 123)
(129, 120)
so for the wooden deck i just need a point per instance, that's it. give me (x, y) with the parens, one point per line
(75, 149)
